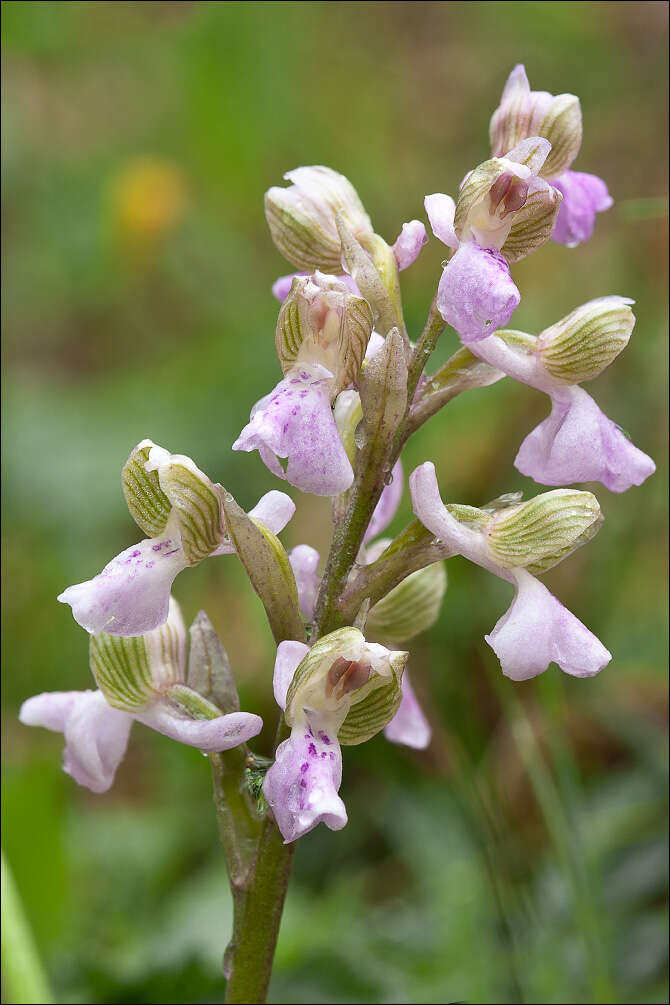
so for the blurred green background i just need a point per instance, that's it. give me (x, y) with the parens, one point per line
(523, 856)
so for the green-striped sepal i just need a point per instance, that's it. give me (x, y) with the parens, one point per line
(322, 321)
(352, 683)
(541, 532)
(585, 342)
(160, 486)
(131, 671)
(411, 607)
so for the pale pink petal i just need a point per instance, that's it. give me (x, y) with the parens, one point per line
(131, 595)
(388, 503)
(301, 786)
(409, 725)
(96, 735)
(441, 209)
(282, 286)
(537, 630)
(409, 243)
(296, 422)
(305, 564)
(273, 510)
(209, 735)
(584, 195)
(476, 294)
(577, 443)
(289, 655)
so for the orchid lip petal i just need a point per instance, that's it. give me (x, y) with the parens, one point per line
(131, 595)
(296, 422)
(302, 785)
(578, 443)
(476, 294)
(96, 735)
(538, 630)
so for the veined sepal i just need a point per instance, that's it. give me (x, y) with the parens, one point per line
(582, 344)
(160, 486)
(302, 217)
(149, 506)
(349, 681)
(523, 113)
(541, 532)
(411, 607)
(322, 321)
(132, 670)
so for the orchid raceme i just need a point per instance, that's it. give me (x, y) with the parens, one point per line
(576, 443)
(356, 384)
(342, 690)
(140, 678)
(533, 536)
(179, 509)
(504, 211)
(523, 113)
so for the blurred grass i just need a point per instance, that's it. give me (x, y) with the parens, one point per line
(523, 856)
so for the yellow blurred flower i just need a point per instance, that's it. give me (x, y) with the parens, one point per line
(147, 198)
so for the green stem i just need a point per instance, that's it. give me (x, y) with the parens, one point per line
(22, 973)
(259, 886)
(258, 911)
(433, 328)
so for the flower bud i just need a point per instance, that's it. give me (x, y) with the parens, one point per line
(322, 321)
(302, 217)
(411, 607)
(523, 113)
(130, 671)
(585, 342)
(350, 682)
(541, 532)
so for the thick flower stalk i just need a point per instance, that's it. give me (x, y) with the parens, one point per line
(523, 113)
(141, 679)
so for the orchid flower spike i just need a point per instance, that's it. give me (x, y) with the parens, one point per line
(303, 222)
(322, 334)
(504, 211)
(409, 609)
(513, 543)
(576, 443)
(140, 678)
(523, 113)
(343, 690)
(180, 511)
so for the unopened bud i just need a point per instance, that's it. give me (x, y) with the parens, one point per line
(302, 217)
(523, 113)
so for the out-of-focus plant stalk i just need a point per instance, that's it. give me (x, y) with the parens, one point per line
(23, 976)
